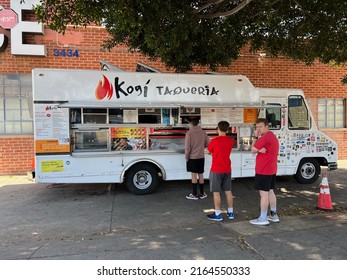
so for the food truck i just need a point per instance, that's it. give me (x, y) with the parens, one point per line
(114, 127)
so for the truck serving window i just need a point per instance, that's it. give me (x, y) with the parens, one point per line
(298, 117)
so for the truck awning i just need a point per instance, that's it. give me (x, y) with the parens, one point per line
(196, 105)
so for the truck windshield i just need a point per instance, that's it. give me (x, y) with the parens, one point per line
(298, 117)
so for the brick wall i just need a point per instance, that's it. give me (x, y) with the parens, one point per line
(317, 81)
(16, 153)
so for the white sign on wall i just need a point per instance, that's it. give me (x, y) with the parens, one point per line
(17, 45)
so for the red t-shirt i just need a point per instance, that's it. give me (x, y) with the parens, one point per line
(220, 149)
(266, 164)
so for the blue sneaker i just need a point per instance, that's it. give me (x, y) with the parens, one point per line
(231, 216)
(214, 217)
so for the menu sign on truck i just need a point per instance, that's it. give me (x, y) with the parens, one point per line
(51, 129)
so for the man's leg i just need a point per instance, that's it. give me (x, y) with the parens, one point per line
(229, 198)
(272, 200)
(264, 204)
(217, 202)
(194, 178)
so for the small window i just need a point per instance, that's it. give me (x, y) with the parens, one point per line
(273, 115)
(331, 113)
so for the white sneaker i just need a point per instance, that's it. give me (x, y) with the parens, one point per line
(259, 222)
(273, 218)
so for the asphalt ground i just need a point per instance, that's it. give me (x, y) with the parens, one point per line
(106, 222)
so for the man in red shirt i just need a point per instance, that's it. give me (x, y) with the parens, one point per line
(220, 148)
(266, 146)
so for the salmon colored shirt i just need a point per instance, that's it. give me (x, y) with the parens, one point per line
(195, 142)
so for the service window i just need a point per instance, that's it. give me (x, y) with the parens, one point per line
(91, 140)
(116, 116)
(149, 115)
(187, 113)
(93, 116)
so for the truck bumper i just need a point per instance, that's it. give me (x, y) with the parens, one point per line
(332, 166)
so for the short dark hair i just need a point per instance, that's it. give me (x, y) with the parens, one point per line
(223, 126)
(262, 120)
(194, 121)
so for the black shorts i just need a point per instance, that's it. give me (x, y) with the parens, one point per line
(196, 165)
(265, 182)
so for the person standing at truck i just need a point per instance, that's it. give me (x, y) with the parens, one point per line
(266, 146)
(220, 148)
(195, 142)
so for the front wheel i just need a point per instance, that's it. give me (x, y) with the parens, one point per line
(308, 171)
(142, 178)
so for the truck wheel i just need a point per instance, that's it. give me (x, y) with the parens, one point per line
(142, 179)
(308, 171)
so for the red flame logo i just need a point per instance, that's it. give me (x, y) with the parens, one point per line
(104, 89)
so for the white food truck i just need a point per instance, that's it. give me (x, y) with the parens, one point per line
(81, 117)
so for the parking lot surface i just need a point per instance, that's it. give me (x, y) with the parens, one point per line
(101, 221)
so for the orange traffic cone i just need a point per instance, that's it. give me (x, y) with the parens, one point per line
(324, 198)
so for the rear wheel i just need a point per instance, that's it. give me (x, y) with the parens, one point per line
(142, 178)
(308, 171)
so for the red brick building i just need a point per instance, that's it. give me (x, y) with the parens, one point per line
(80, 49)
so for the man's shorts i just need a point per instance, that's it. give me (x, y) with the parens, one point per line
(265, 182)
(220, 182)
(196, 165)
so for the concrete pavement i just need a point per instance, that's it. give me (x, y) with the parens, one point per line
(90, 222)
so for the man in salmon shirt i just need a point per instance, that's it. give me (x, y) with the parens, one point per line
(220, 148)
(266, 146)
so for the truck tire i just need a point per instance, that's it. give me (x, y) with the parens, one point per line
(308, 171)
(142, 178)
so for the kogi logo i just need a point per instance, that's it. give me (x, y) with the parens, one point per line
(104, 89)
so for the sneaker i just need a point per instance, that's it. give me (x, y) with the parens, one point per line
(214, 217)
(192, 196)
(230, 216)
(273, 218)
(202, 196)
(259, 222)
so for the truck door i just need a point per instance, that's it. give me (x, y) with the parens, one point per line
(275, 113)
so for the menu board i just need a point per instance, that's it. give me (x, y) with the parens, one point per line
(215, 115)
(232, 115)
(51, 129)
(250, 115)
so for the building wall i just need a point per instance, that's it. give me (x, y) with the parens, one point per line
(317, 80)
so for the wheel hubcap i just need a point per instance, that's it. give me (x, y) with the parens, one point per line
(308, 170)
(142, 179)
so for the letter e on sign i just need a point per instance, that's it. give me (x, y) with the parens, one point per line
(8, 19)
